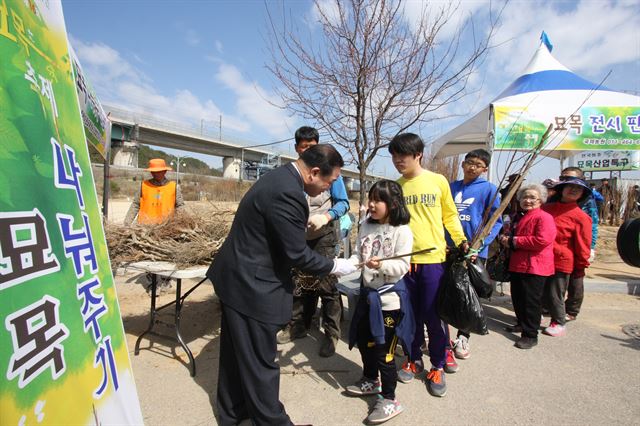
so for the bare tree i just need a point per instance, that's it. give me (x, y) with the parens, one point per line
(449, 167)
(376, 72)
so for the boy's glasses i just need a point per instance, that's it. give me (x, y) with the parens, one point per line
(471, 164)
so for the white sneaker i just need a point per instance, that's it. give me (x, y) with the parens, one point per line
(461, 348)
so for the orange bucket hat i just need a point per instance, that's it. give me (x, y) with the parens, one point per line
(157, 165)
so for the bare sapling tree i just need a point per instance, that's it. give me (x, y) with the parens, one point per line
(377, 70)
(448, 167)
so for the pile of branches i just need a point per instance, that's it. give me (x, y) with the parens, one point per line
(187, 239)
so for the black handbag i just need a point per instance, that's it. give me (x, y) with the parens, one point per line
(498, 265)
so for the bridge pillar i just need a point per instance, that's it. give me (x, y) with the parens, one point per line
(125, 154)
(231, 168)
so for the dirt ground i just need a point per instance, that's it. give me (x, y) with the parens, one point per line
(588, 377)
(570, 380)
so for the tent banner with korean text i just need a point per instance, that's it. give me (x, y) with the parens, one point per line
(63, 357)
(586, 128)
(606, 161)
(97, 126)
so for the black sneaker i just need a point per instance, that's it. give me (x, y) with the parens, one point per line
(328, 347)
(526, 342)
(516, 328)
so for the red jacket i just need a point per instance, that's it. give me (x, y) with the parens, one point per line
(533, 241)
(572, 247)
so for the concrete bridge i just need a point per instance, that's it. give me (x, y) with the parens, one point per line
(239, 161)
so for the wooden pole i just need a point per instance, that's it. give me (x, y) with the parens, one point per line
(476, 242)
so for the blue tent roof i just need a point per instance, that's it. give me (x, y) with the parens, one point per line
(549, 80)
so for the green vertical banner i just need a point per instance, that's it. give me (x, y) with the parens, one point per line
(63, 353)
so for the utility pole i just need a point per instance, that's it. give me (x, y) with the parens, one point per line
(177, 164)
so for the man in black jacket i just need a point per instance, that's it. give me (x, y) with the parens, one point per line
(251, 276)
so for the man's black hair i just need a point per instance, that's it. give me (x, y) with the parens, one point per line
(306, 133)
(323, 156)
(578, 170)
(406, 144)
(390, 193)
(480, 154)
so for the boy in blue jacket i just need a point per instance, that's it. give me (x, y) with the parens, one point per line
(476, 200)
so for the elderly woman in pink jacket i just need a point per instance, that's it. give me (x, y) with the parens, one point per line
(531, 262)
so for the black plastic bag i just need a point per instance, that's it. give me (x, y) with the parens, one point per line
(457, 303)
(498, 265)
(480, 279)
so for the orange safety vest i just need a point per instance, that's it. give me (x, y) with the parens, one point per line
(156, 202)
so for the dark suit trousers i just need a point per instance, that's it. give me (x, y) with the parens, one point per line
(248, 375)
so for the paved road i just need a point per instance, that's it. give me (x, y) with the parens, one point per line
(591, 376)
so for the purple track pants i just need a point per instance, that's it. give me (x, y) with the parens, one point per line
(423, 282)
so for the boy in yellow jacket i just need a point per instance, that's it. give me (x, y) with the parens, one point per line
(428, 199)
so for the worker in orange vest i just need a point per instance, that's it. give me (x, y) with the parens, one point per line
(158, 197)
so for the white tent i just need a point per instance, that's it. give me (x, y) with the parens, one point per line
(545, 84)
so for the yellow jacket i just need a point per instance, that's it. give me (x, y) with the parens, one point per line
(429, 201)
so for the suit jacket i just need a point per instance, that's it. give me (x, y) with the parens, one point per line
(252, 271)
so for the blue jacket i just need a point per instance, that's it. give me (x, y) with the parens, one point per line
(406, 326)
(590, 207)
(597, 196)
(472, 201)
(339, 199)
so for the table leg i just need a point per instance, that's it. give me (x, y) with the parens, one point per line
(152, 314)
(192, 362)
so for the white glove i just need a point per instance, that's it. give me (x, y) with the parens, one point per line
(592, 257)
(342, 267)
(317, 221)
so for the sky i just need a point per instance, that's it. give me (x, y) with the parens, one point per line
(204, 62)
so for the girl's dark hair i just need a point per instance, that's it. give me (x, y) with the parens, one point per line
(390, 193)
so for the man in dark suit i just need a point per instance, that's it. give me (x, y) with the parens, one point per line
(252, 278)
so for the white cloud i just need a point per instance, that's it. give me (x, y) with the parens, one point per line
(457, 13)
(118, 83)
(328, 8)
(219, 46)
(589, 37)
(255, 103)
(108, 60)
